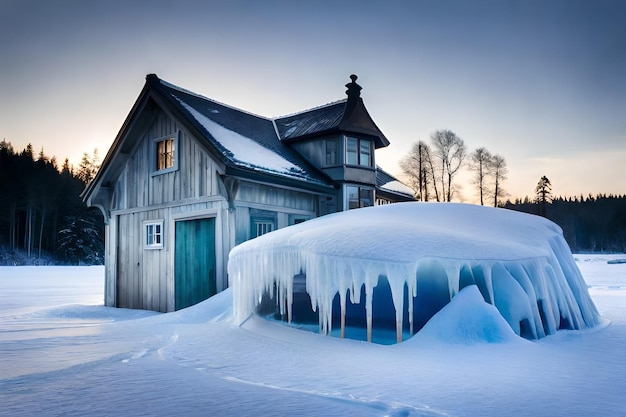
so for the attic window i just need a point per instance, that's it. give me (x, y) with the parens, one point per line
(164, 153)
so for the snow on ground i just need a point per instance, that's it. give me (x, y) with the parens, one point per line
(63, 353)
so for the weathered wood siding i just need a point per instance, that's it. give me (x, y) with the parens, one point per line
(283, 202)
(143, 278)
(138, 277)
(140, 186)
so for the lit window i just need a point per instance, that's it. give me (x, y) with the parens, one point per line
(165, 150)
(357, 197)
(154, 235)
(359, 152)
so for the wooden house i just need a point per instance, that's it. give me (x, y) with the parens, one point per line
(188, 178)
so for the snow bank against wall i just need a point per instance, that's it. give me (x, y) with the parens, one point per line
(396, 266)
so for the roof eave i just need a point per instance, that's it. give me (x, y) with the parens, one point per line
(278, 180)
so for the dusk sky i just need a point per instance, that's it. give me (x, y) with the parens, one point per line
(542, 83)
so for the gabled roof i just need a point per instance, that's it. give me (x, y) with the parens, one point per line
(244, 140)
(246, 144)
(348, 115)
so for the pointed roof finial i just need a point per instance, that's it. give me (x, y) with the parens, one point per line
(353, 89)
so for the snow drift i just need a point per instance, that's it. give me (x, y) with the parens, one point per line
(398, 265)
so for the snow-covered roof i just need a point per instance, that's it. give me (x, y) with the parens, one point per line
(520, 262)
(387, 182)
(244, 151)
(397, 187)
(245, 140)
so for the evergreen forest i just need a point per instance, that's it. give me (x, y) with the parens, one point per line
(44, 221)
(590, 224)
(42, 217)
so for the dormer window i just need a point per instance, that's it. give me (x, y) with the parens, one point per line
(164, 154)
(359, 152)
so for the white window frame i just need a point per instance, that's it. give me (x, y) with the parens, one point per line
(263, 227)
(175, 154)
(153, 234)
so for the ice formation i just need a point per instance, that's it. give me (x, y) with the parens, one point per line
(468, 319)
(398, 265)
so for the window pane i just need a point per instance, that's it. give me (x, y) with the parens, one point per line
(367, 197)
(353, 197)
(149, 234)
(331, 152)
(170, 153)
(365, 153)
(351, 151)
(165, 154)
(159, 155)
(263, 228)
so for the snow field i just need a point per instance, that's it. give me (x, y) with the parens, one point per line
(63, 353)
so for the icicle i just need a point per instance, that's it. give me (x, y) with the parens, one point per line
(342, 302)
(453, 272)
(371, 281)
(396, 279)
(411, 283)
(289, 299)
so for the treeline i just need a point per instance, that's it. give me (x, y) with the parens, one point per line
(42, 218)
(590, 224)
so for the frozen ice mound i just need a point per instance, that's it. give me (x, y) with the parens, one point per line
(398, 265)
(467, 319)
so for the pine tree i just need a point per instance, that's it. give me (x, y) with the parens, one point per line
(543, 194)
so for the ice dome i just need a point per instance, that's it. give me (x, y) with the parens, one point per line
(396, 266)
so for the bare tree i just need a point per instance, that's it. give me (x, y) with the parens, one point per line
(480, 166)
(499, 173)
(417, 167)
(449, 151)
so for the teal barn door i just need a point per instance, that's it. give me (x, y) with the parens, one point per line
(194, 259)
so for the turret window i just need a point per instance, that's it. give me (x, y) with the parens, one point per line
(359, 152)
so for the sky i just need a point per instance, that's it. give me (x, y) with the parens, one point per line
(541, 83)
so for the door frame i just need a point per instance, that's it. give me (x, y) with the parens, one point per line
(219, 250)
